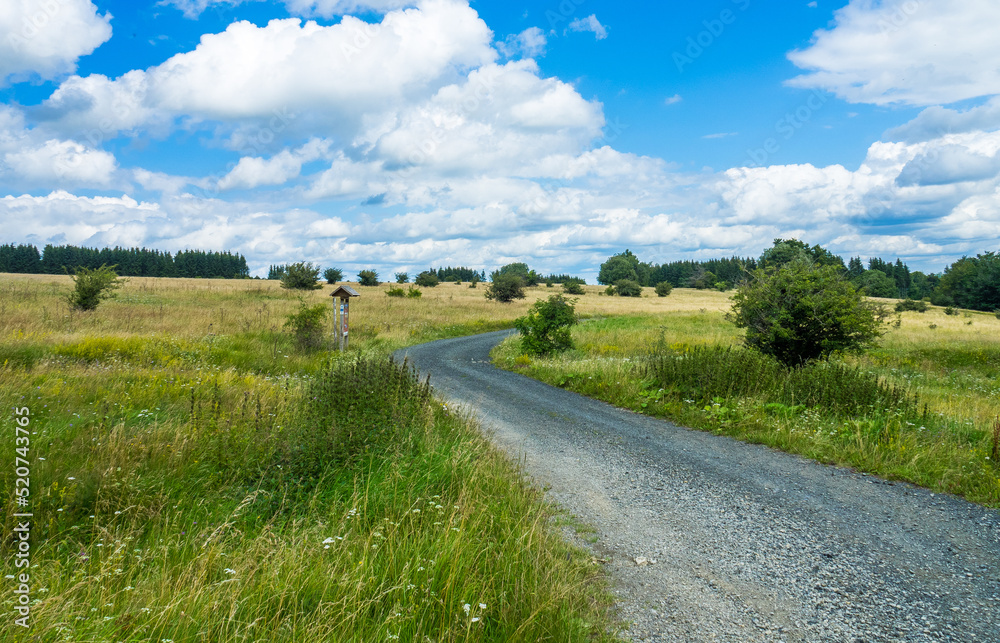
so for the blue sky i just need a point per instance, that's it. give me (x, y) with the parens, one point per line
(401, 135)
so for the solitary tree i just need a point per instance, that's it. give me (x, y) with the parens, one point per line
(333, 275)
(505, 288)
(301, 276)
(368, 278)
(800, 312)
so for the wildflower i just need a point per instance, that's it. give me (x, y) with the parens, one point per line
(466, 607)
(229, 571)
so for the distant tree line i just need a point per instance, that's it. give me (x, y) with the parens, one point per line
(972, 283)
(131, 262)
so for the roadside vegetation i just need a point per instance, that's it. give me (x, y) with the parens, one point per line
(204, 469)
(922, 406)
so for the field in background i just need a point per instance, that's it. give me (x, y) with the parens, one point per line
(195, 475)
(950, 362)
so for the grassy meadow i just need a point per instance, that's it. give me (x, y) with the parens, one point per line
(923, 406)
(197, 476)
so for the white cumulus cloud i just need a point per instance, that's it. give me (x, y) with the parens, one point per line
(47, 38)
(907, 52)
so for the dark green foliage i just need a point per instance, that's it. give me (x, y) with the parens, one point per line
(20, 258)
(368, 278)
(573, 286)
(527, 276)
(427, 279)
(132, 262)
(785, 251)
(801, 312)
(950, 310)
(911, 304)
(505, 288)
(93, 285)
(413, 293)
(618, 267)
(395, 292)
(301, 276)
(663, 288)
(474, 281)
(705, 373)
(628, 288)
(307, 324)
(971, 283)
(876, 283)
(702, 279)
(545, 329)
(402, 278)
(333, 275)
(458, 274)
(354, 406)
(275, 273)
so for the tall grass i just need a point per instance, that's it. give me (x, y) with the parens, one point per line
(218, 483)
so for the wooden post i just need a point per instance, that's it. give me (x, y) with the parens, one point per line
(341, 313)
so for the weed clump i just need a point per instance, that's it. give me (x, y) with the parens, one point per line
(915, 305)
(307, 325)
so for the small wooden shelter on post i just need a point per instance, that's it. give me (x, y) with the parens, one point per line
(342, 294)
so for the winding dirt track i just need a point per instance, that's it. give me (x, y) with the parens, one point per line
(749, 544)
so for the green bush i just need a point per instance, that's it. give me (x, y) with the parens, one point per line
(402, 278)
(307, 324)
(609, 291)
(333, 275)
(911, 304)
(427, 279)
(91, 286)
(950, 310)
(368, 278)
(505, 288)
(801, 312)
(573, 287)
(413, 293)
(545, 329)
(997, 313)
(664, 288)
(301, 276)
(395, 292)
(628, 288)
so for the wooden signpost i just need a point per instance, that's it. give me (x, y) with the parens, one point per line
(342, 296)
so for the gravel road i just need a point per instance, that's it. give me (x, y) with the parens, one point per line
(710, 539)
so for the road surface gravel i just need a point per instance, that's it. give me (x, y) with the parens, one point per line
(709, 539)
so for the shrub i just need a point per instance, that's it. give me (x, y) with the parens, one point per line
(413, 293)
(368, 278)
(664, 288)
(801, 312)
(950, 310)
(609, 291)
(402, 278)
(427, 279)
(333, 275)
(300, 276)
(395, 292)
(545, 329)
(628, 288)
(307, 324)
(474, 281)
(91, 286)
(505, 288)
(911, 304)
(997, 313)
(573, 287)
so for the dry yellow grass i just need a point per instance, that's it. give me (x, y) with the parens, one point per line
(34, 308)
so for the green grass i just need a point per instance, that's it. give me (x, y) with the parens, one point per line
(189, 486)
(920, 408)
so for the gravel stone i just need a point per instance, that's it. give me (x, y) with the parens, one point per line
(749, 543)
